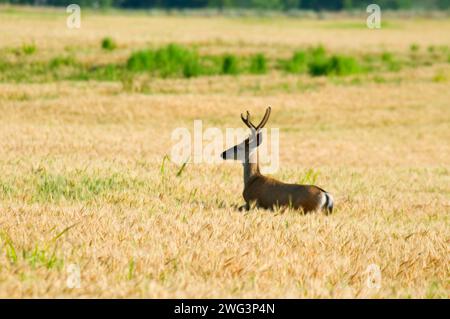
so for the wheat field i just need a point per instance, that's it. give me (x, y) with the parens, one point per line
(85, 180)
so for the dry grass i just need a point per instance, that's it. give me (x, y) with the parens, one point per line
(81, 179)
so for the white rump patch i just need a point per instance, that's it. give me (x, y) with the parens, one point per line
(323, 200)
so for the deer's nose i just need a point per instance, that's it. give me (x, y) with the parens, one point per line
(223, 155)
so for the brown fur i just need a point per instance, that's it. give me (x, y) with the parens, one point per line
(267, 192)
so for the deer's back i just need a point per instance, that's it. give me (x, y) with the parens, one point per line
(269, 193)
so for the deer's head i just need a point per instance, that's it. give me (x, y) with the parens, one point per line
(243, 151)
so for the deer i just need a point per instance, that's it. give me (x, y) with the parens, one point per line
(266, 192)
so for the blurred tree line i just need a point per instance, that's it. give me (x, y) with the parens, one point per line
(333, 5)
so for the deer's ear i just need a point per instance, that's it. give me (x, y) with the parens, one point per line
(259, 138)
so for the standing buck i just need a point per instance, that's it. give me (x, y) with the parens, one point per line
(267, 192)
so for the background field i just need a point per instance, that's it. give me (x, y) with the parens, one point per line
(84, 181)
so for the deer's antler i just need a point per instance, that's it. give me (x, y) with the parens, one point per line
(263, 122)
(246, 120)
(265, 119)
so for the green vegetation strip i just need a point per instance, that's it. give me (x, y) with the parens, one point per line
(42, 186)
(176, 61)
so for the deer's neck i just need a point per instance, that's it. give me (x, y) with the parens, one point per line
(251, 167)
